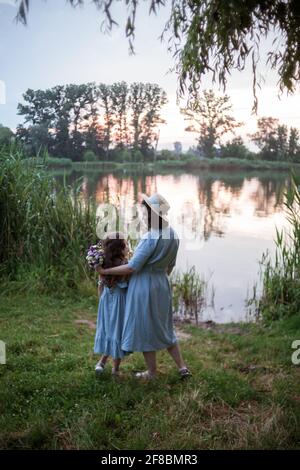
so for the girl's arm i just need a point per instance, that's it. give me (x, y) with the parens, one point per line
(122, 270)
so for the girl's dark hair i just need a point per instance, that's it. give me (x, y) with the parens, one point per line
(114, 249)
(152, 216)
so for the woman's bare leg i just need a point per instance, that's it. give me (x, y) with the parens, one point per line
(150, 359)
(175, 353)
(116, 366)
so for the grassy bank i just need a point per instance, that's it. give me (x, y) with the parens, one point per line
(190, 164)
(244, 392)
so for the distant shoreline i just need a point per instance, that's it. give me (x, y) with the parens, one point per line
(224, 164)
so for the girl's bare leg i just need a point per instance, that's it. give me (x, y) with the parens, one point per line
(116, 366)
(103, 359)
(101, 364)
(175, 353)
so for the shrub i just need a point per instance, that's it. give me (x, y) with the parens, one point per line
(89, 156)
(137, 156)
(166, 155)
(56, 161)
(234, 149)
(123, 155)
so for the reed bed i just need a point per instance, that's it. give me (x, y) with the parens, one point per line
(281, 276)
(190, 295)
(45, 227)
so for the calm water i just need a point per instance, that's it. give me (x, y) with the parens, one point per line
(231, 222)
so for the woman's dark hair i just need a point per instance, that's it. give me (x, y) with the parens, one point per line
(114, 248)
(153, 217)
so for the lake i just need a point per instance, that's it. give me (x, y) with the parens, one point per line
(226, 221)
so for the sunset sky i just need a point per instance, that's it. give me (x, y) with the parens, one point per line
(62, 45)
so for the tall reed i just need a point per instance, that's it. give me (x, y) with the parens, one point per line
(44, 227)
(190, 294)
(281, 276)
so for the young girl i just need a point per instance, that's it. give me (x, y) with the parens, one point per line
(111, 304)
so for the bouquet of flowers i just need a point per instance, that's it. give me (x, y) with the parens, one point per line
(95, 256)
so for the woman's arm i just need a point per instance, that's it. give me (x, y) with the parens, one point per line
(142, 253)
(169, 269)
(122, 270)
(100, 286)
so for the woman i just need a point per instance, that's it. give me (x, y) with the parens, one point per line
(148, 322)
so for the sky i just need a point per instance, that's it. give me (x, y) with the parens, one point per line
(62, 45)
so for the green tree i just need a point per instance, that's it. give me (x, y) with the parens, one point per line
(106, 106)
(209, 116)
(282, 142)
(120, 98)
(78, 97)
(93, 131)
(235, 149)
(89, 156)
(38, 107)
(35, 138)
(266, 137)
(55, 117)
(293, 145)
(216, 36)
(138, 101)
(155, 98)
(6, 136)
(70, 119)
(276, 141)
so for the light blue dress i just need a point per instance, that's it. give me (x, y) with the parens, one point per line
(110, 320)
(148, 323)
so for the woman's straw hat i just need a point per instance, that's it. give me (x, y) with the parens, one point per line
(157, 204)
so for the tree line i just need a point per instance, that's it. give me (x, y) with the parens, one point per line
(73, 120)
(210, 117)
(120, 122)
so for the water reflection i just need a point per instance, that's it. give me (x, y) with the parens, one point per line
(226, 220)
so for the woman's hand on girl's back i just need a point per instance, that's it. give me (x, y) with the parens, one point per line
(100, 286)
(99, 269)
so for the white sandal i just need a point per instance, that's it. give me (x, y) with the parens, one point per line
(144, 375)
(184, 373)
(99, 369)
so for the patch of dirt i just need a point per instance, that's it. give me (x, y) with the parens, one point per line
(89, 323)
(246, 369)
(212, 326)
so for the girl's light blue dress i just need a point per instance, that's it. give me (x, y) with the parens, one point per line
(148, 323)
(110, 320)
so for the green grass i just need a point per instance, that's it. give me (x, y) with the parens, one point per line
(228, 164)
(190, 164)
(244, 392)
